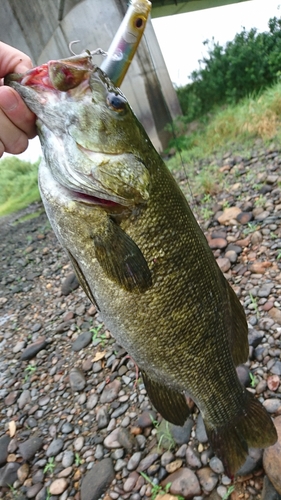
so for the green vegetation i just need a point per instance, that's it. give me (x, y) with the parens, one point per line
(78, 460)
(164, 436)
(30, 369)
(228, 493)
(246, 65)
(156, 489)
(254, 381)
(98, 336)
(50, 466)
(18, 184)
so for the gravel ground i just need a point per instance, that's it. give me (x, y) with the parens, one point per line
(75, 422)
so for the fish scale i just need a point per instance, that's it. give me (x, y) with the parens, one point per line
(141, 257)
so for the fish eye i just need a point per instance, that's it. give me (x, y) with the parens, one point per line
(116, 102)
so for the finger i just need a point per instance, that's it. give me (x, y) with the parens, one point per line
(13, 139)
(13, 60)
(17, 112)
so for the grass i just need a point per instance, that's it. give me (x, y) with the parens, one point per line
(18, 184)
(233, 128)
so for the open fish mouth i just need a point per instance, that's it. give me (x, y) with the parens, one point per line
(61, 75)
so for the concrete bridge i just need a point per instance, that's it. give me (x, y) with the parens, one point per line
(44, 28)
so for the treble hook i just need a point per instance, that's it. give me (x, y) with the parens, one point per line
(97, 52)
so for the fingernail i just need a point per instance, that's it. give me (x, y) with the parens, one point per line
(9, 101)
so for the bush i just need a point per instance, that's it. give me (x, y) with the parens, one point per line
(248, 64)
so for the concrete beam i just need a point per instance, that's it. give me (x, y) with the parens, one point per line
(162, 8)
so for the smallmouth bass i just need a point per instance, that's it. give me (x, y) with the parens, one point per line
(140, 255)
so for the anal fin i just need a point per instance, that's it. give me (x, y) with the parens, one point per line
(171, 404)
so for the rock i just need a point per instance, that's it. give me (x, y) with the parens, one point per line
(273, 382)
(33, 490)
(78, 443)
(276, 368)
(147, 461)
(24, 398)
(181, 434)
(224, 264)
(102, 417)
(33, 349)
(255, 337)
(265, 290)
(92, 401)
(30, 447)
(243, 375)
(77, 380)
(272, 405)
(272, 459)
(231, 255)
(275, 314)
(229, 215)
(69, 284)
(68, 458)
(4, 443)
(126, 439)
(253, 461)
(54, 448)
(23, 472)
(130, 482)
(82, 341)
(215, 243)
(216, 465)
(8, 473)
(184, 483)
(193, 458)
(207, 478)
(58, 486)
(110, 392)
(244, 217)
(200, 432)
(268, 491)
(97, 480)
(256, 238)
(134, 460)
(173, 466)
(111, 441)
(146, 419)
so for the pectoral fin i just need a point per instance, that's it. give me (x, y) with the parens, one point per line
(170, 403)
(121, 259)
(82, 280)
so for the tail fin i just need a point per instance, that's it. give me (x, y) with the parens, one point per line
(252, 427)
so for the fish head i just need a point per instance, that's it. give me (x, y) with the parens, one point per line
(91, 140)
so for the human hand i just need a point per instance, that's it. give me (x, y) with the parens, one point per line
(17, 122)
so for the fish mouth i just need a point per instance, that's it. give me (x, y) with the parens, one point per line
(62, 75)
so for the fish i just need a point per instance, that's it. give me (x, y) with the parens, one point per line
(141, 256)
(126, 41)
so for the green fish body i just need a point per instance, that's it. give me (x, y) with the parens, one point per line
(140, 255)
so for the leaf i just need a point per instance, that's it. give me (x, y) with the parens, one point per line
(99, 355)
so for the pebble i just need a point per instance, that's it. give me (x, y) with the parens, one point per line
(272, 459)
(272, 405)
(82, 341)
(97, 480)
(110, 392)
(30, 447)
(208, 479)
(77, 380)
(69, 284)
(55, 447)
(58, 486)
(134, 460)
(32, 349)
(184, 483)
(4, 443)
